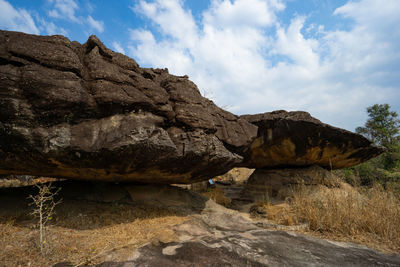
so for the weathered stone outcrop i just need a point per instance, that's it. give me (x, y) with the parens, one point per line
(85, 112)
(295, 139)
(280, 183)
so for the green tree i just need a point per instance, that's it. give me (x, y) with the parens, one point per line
(382, 128)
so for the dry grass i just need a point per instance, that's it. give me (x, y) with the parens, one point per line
(84, 232)
(7, 183)
(368, 216)
(280, 213)
(217, 194)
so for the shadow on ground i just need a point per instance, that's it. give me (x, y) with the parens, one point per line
(87, 205)
(147, 225)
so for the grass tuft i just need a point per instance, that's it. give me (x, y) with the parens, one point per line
(218, 195)
(370, 215)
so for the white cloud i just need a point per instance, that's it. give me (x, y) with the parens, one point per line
(117, 47)
(242, 13)
(64, 9)
(98, 25)
(334, 75)
(16, 19)
(199, 52)
(53, 29)
(21, 20)
(49, 27)
(171, 18)
(291, 43)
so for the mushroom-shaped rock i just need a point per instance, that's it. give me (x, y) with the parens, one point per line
(85, 112)
(293, 139)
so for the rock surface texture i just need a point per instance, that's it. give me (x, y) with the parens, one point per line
(208, 235)
(280, 183)
(216, 236)
(295, 139)
(85, 112)
(257, 247)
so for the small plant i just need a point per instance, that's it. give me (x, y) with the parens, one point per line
(217, 194)
(44, 203)
(266, 201)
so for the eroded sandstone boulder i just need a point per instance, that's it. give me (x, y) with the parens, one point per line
(234, 176)
(295, 139)
(280, 183)
(86, 112)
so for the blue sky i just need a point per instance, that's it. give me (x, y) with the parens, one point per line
(332, 58)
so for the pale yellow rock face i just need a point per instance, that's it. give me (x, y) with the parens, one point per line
(235, 176)
(296, 139)
(283, 153)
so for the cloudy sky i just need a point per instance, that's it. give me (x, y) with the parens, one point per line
(332, 58)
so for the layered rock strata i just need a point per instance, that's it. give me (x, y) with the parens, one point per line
(85, 112)
(296, 139)
(281, 183)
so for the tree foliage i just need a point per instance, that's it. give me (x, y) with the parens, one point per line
(382, 127)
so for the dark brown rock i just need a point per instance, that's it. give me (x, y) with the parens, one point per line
(293, 139)
(86, 112)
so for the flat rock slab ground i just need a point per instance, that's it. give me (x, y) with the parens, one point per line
(258, 248)
(217, 236)
(197, 232)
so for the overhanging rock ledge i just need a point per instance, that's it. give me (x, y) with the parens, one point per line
(85, 112)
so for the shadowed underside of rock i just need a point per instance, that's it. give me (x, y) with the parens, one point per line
(85, 112)
(293, 139)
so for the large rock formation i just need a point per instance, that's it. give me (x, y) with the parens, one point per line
(295, 139)
(85, 112)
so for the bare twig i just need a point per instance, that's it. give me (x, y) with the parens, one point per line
(44, 208)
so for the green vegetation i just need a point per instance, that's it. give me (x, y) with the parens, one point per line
(382, 128)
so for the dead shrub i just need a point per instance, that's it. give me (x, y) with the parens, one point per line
(45, 203)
